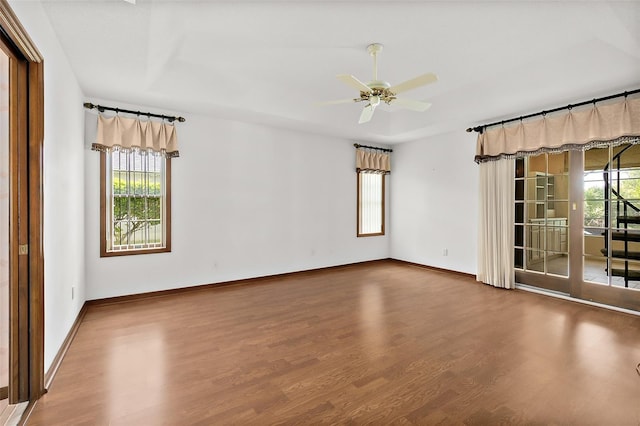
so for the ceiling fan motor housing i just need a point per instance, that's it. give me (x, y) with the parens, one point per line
(380, 89)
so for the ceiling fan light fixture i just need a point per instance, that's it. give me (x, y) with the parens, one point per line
(377, 91)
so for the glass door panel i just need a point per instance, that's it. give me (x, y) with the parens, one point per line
(612, 216)
(542, 221)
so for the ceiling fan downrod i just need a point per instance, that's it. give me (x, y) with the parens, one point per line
(373, 50)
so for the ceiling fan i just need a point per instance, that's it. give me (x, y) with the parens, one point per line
(377, 91)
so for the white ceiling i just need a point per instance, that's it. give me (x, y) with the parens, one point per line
(272, 61)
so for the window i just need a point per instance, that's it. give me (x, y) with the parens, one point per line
(370, 204)
(136, 203)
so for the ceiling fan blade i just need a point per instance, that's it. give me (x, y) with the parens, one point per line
(411, 104)
(354, 82)
(414, 82)
(367, 113)
(341, 101)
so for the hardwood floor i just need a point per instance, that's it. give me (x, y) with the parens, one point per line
(378, 343)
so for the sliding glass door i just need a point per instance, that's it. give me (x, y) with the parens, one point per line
(577, 224)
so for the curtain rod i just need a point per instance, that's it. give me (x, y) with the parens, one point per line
(357, 145)
(102, 108)
(544, 112)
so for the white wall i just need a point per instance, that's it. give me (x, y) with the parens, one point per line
(63, 181)
(434, 201)
(247, 201)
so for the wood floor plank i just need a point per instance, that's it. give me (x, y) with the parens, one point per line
(376, 343)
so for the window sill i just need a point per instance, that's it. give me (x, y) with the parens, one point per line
(134, 252)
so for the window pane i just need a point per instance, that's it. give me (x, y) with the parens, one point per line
(137, 203)
(557, 264)
(595, 269)
(558, 163)
(519, 190)
(535, 260)
(519, 237)
(537, 165)
(370, 203)
(518, 258)
(519, 213)
(519, 167)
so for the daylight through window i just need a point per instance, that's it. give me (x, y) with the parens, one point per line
(136, 202)
(370, 204)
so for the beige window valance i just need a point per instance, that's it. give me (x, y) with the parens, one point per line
(575, 129)
(371, 161)
(128, 133)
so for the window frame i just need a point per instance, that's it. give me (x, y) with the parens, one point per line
(105, 203)
(359, 208)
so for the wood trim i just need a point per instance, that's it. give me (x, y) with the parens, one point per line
(27, 132)
(4, 392)
(36, 220)
(576, 230)
(14, 165)
(610, 295)
(19, 388)
(384, 207)
(434, 268)
(103, 204)
(18, 35)
(204, 287)
(543, 281)
(167, 203)
(134, 252)
(358, 204)
(57, 360)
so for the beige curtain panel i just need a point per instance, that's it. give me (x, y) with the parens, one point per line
(128, 133)
(372, 161)
(579, 129)
(496, 217)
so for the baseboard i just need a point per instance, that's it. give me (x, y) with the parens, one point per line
(434, 268)
(53, 369)
(203, 287)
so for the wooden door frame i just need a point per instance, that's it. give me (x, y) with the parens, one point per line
(26, 333)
